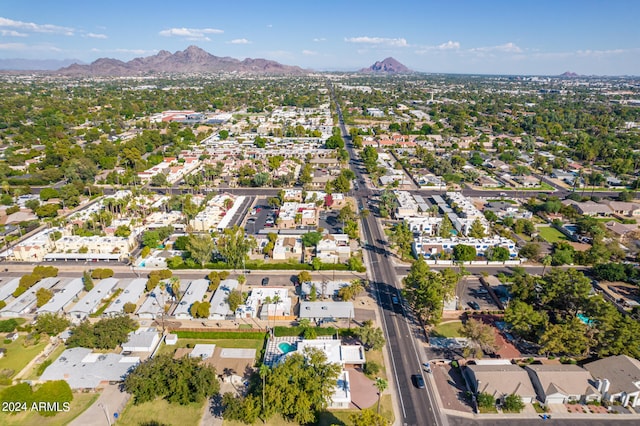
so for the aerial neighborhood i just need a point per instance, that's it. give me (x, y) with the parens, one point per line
(202, 245)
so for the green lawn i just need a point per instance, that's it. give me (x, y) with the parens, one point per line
(447, 329)
(32, 373)
(222, 343)
(81, 401)
(550, 234)
(18, 356)
(376, 356)
(162, 412)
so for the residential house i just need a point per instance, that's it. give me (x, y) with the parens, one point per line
(219, 306)
(61, 299)
(333, 248)
(141, 341)
(501, 381)
(83, 369)
(91, 301)
(323, 289)
(617, 379)
(287, 247)
(621, 208)
(194, 293)
(562, 383)
(330, 311)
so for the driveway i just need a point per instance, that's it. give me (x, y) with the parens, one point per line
(111, 401)
(363, 393)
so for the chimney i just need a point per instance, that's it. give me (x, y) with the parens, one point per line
(603, 385)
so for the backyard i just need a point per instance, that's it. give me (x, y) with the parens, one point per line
(18, 356)
(161, 412)
(550, 234)
(447, 329)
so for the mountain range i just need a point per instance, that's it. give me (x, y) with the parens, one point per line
(192, 59)
(388, 65)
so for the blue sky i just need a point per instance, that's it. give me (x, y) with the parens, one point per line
(491, 37)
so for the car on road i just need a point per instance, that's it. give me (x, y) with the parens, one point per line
(265, 281)
(418, 381)
(474, 305)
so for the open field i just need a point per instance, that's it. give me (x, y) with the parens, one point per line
(551, 235)
(18, 356)
(447, 329)
(221, 343)
(162, 412)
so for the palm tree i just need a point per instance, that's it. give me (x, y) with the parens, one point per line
(381, 385)
(264, 372)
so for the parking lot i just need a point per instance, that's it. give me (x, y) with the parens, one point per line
(470, 291)
(329, 221)
(256, 222)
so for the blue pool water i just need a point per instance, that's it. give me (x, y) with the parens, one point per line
(585, 319)
(286, 347)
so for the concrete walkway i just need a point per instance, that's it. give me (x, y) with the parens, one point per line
(111, 400)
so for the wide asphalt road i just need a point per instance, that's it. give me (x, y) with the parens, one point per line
(417, 406)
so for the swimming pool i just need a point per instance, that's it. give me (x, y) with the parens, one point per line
(286, 347)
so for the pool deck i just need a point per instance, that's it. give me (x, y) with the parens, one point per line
(272, 352)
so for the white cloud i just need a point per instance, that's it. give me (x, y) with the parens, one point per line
(396, 42)
(12, 33)
(504, 48)
(319, 39)
(197, 34)
(37, 28)
(93, 35)
(128, 51)
(240, 41)
(309, 52)
(269, 25)
(450, 45)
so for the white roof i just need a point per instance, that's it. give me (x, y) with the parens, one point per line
(90, 301)
(152, 305)
(62, 297)
(131, 294)
(25, 301)
(141, 339)
(8, 288)
(219, 305)
(326, 310)
(194, 293)
(84, 370)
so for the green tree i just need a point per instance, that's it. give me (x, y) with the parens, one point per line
(234, 247)
(159, 180)
(150, 239)
(234, 299)
(129, 308)
(200, 247)
(530, 251)
(367, 418)
(304, 276)
(51, 324)
(445, 228)
(179, 381)
(480, 338)
(402, 236)
(525, 320)
(464, 253)
(497, 254)
(371, 337)
(380, 385)
(87, 280)
(513, 403)
(122, 231)
(43, 295)
(426, 290)
(477, 229)
(486, 400)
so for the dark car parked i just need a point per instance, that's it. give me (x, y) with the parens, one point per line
(265, 281)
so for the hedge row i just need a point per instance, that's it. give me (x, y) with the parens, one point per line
(281, 331)
(252, 335)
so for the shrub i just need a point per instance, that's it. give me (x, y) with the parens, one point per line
(8, 326)
(145, 252)
(486, 400)
(43, 367)
(101, 273)
(371, 368)
(129, 308)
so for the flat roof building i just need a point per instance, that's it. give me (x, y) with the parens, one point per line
(131, 294)
(24, 303)
(195, 292)
(219, 306)
(318, 311)
(89, 303)
(62, 298)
